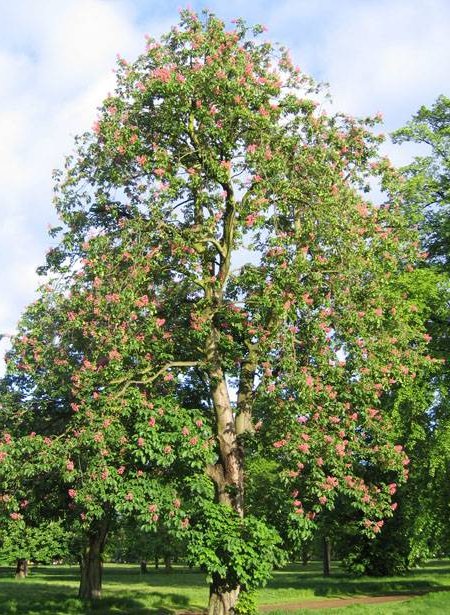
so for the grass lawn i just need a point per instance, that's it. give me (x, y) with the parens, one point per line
(52, 591)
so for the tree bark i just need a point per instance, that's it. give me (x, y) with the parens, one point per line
(326, 556)
(91, 565)
(21, 568)
(222, 599)
(228, 472)
(143, 567)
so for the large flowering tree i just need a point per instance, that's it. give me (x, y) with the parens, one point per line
(221, 284)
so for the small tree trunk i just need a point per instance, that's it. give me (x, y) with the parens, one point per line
(306, 555)
(222, 600)
(168, 563)
(326, 556)
(143, 567)
(156, 562)
(91, 565)
(21, 568)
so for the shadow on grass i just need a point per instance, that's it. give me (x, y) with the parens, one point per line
(340, 584)
(18, 598)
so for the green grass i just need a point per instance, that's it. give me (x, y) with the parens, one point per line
(52, 591)
(432, 604)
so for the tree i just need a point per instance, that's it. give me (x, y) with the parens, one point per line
(428, 177)
(221, 286)
(419, 530)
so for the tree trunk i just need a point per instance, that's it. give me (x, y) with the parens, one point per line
(143, 567)
(168, 563)
(222, 599)
(21, 568)
(326, 556)
(91, 565)
(305, 554)
(156, 562)
(227, 473)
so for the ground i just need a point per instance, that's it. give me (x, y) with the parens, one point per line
(52, 591)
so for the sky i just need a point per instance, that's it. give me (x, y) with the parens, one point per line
(56, 66)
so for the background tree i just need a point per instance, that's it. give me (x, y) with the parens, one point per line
(419, 528)
(222, 284)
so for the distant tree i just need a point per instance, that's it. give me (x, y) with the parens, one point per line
(419, 530)
(221, 286)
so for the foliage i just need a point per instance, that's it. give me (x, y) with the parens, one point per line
(243, 551)
(421, 415)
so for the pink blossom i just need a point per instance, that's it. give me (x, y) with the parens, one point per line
(309, 380)
(155, 517)
(114, 354)
(176, 503)
(162, 74)
(72, 493)
(185, 431)
(70, 465)
(160, 322)
(140, 441)
(251, 219)
(193, 441)
(152, 421)
(142, 301)
(15, 516)
(152, 508)
(129, 496)
(167, 449)
(121, 470)
(279, 443)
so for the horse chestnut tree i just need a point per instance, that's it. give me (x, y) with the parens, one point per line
(222, 284)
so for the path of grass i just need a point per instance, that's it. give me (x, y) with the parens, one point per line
(52, 591)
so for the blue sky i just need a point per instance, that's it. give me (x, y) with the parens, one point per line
(56, 60)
